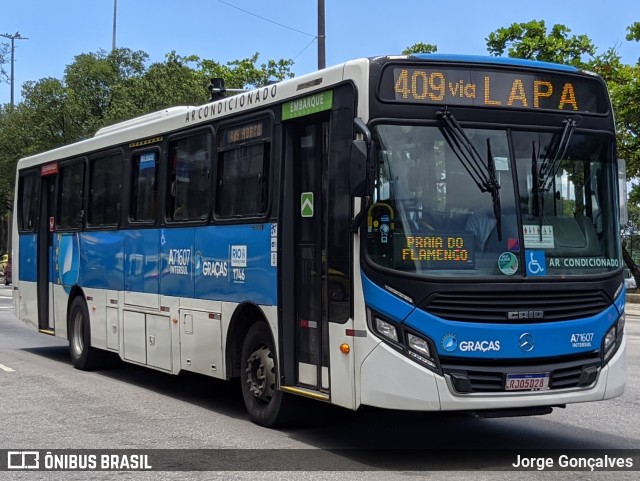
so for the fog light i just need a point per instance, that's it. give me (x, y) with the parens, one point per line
(386, 329)
(418, 344)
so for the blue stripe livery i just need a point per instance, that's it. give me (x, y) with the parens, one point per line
(492, 340)
(28, 264)
(224, 263)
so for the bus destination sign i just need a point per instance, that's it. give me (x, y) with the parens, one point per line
(438, 251)
(492, 88)
(245, 133)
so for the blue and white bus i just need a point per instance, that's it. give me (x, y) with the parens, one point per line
(423, 232)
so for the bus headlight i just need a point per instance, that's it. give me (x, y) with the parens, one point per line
(420, 351)
(418, 344)
(609, 339)
(386, 329)
(403, 339)
(613, 338)
(621, 323)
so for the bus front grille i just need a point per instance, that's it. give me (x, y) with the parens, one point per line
(491, 377)
(511, 307)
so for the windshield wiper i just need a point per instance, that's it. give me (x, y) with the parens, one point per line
(549, 168)
(494, 187)
(485, 177)
(538, 200)
(543, 177)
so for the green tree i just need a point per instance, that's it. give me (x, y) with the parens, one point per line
(623, 82)
(4, 55)
(164, 84)
(246, 73)
(420, 48)
(90, 82)
(45, 110)
(532, 41)
(634, 31)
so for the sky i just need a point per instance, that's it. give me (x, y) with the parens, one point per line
(226, 30)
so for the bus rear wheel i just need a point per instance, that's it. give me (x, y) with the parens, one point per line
(265, 403)
(83, 356)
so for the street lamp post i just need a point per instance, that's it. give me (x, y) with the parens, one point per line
(13, 38)
(115, 12)
(321, 36)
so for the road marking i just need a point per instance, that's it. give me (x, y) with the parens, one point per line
(6, 368)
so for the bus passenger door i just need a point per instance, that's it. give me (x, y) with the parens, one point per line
(45, 268)
(304, 263)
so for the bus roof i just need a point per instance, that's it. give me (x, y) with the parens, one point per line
(506, 61)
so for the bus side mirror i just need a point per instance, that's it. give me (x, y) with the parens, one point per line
(358, 168)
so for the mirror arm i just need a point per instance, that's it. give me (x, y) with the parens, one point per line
(364, 130)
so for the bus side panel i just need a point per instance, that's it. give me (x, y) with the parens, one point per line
(64, 275)
(177, 262)
(28, 268)
(96, 304)
(234, 263)
(27, 308)
(102, 252)
(25, 276)
(141, 268)
(59, 296)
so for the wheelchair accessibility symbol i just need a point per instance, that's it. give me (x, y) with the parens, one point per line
(536, 263)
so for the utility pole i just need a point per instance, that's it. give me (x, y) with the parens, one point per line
(115, 11)
(322, 63)
(13, 38)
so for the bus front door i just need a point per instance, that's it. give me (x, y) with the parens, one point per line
(305, 267)
(45, 255)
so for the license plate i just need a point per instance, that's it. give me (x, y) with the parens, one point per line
(527, 382)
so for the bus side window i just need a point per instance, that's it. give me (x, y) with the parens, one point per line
(104, 190)
(189, 178)
(29, 205)
(71, 191)
(243, 172)
(144, 185)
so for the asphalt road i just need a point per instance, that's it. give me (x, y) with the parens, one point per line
(46, 404)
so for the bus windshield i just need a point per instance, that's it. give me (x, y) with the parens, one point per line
(461, 202)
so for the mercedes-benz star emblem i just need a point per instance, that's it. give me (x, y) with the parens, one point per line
(526, 342)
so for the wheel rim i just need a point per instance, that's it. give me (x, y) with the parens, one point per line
(77, 339)
(260, 375)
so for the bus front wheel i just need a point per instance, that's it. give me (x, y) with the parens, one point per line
(83, 356)
(266, 404)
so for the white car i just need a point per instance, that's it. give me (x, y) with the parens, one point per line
(629, 280)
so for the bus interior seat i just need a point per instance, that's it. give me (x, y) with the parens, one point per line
(573, 236)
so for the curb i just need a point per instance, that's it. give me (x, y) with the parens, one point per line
(633, 298)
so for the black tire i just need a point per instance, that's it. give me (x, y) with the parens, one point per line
(266, 404)
(83, 356)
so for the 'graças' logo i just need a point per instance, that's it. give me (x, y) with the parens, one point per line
(449, 343)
